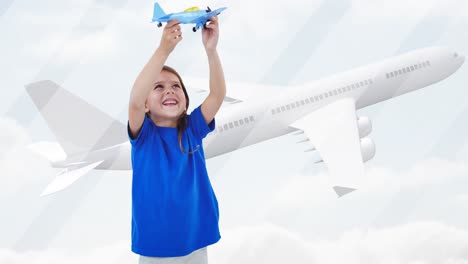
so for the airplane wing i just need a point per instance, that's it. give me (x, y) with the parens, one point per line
(236, 92)
(164, 18)
(333, 131)
(67, 177)
(201, 85)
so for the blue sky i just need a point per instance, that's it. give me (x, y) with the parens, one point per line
(275, 203)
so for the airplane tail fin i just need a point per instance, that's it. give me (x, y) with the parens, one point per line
(78, 126)
(158, 11)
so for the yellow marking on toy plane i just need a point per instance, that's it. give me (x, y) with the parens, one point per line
(192, 9)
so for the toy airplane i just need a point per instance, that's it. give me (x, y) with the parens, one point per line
(191, 15)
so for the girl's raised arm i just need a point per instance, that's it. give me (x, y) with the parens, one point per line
(147, 78)
(215, 98)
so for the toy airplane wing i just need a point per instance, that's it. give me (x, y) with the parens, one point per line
(208, 15)
(201, 20)
(333, 131)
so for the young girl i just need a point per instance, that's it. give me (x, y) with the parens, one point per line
(174, 209)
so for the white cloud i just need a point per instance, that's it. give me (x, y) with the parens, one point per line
(96, 45)
(462, 153)
(275, 19)
(20, 167)
(420, 242)
(116, 253)
(306, 201)
(462, 200)
(305, 191)
(78, 37)
(429, 172)
(50, 13)
(262, 243)
(11, 135)
(403, 10)
(434, 171)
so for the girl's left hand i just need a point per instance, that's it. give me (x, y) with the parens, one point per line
(210, 34)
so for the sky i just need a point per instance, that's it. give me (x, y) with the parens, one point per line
(275, 204)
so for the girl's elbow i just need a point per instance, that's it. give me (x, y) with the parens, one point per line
(221, 96)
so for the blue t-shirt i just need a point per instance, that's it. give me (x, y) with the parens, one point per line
(174, 208)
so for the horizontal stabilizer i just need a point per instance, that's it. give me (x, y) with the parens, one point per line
(340, 191)
(67, 177)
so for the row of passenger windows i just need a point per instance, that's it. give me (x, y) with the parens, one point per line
(237, 123)
(321, 96)
(407, 69)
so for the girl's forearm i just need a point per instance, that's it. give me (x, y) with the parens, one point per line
(217, 82)
(145, 81)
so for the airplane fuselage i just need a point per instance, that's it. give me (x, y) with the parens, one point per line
(253, 121)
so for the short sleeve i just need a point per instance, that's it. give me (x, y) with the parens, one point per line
(198, 123)
(141, 135)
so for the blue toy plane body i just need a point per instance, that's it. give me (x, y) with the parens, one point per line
(197, 17)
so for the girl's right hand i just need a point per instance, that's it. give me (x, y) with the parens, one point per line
(171, 36)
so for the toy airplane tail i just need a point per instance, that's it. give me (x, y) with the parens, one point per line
(78, 126)
(158, 11)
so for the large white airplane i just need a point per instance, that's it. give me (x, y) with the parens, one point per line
(323, 110)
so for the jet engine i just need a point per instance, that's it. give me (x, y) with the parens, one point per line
(367, 149)
(364, 125)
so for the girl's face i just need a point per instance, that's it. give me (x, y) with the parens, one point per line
(166, 102)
